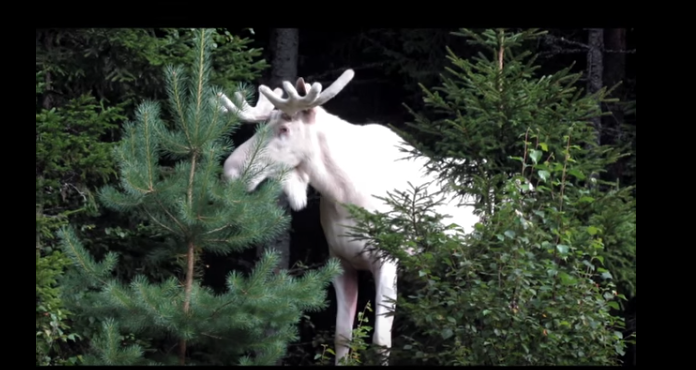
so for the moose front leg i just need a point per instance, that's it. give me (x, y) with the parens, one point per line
(385, 281)
(346, 286)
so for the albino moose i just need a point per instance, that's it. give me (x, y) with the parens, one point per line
(345, 163)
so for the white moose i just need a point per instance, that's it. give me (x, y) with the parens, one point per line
(345, 163)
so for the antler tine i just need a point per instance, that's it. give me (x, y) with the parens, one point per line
(335, 88)
(302, 87)
(248, 114)
(315, 97)
(293, 103)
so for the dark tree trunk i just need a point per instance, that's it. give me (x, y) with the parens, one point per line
(284, 55)
(595, 70)
(595, 67)
(614, 72)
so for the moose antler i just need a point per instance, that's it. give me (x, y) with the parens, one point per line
(313, 96)
(260, 112)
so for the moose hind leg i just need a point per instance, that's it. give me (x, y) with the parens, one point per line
(385, 284)
(346, 286)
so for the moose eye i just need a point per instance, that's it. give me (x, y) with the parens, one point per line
(285, 117)
(283, 130)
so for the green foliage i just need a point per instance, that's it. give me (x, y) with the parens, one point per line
(357, 345)
(199, 213)
(483, 111)
(51, 326)
(614, 216)
(71, 154)
(79, 71)
(235, 62)
(535, 283)
(69, 159)
(520, 291)
(122, 64)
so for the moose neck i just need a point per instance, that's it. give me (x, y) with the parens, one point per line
(329, 167)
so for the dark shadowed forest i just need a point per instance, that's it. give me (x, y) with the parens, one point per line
(126, 276)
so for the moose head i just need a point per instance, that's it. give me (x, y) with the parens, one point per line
(292, 123)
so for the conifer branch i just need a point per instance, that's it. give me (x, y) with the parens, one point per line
(122, 297)
(191, 178)
(215, 311)
(204, 186)
(130, 183)
(75, 249)
(149, 162)
(176, 92)
(213, 231)
(152, 218)
(201, 71)
(141, 288)
(212, 336)
(166, 211)
(132, 144)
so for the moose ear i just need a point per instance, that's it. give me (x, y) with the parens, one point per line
(301, 87)
(309, 115)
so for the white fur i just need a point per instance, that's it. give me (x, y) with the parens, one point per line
(346, 163)
(295, 184)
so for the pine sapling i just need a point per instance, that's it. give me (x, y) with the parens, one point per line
(200, 213)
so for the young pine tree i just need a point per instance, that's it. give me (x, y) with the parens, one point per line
(201, 213)
(532, 285)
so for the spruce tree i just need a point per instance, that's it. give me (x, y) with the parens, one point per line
(200, 213)
(487, 104)
(536, 282)
(489, 108)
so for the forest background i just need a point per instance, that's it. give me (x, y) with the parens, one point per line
(90, 81)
